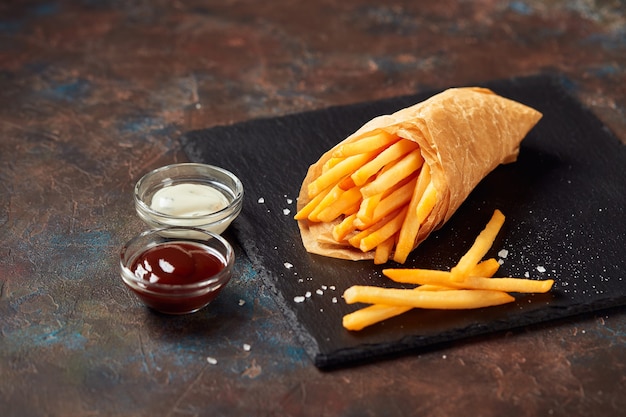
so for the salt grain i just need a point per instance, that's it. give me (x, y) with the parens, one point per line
(319, 292)
(541, 269)
(503, 253)
(288, 265)
(242, 302)
(286, 211)
(211, 360)
(289, 201)
(298, 299)
(246, 347)
(261, 200)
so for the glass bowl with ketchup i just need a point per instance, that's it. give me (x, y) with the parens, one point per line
(189, 195)
(176, 275)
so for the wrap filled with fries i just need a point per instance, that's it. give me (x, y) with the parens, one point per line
(384, 189)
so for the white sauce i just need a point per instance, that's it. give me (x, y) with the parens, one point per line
(188, 200)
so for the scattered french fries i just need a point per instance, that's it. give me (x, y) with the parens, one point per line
(442, 300)
(468, 285)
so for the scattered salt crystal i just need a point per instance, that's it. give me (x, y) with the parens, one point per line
(503, 253)
(246, 347)
(500, 261)
(527, 274)
(541, 269)
(286, 211)
(298, 299)
(334, 299)
(261, 200)
(307, 294)
(198, 106)
(319, 292)
(324, 287)
(332, 287)
(242, 302)
(211, 360)
(289, 201)
(288, 265)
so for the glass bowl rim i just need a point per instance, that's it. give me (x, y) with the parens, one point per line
(221, 277)
(238, 192)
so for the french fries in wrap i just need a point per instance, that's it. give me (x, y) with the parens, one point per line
(384, 189)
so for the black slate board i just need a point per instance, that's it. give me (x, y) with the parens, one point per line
(564, 200)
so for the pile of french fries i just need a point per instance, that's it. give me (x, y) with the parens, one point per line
(380, 188)
(467, 285)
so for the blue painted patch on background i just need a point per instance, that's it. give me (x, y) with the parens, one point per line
(605, 71)
(80, 251)
(521, 8)
(10, 26)
(147, 125)
(44, 337)
(68, 91)
(609, 41)
(46, 9)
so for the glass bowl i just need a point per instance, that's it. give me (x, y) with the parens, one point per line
(176, 275)
(189, 195)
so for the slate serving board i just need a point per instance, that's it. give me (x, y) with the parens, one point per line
(564, 200)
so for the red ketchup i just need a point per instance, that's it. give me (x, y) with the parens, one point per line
(178, 264)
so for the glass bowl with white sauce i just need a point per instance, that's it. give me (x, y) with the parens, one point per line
(190, 195)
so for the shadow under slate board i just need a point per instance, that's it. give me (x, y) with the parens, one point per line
(564, 202)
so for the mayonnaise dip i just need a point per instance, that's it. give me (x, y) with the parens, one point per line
(188, 200)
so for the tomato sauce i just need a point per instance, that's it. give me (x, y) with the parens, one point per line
(177, 264)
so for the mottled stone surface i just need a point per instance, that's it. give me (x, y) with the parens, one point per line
(95, 93)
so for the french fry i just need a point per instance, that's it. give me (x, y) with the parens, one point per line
(400, 170)
(305, 211)
(338, 172)
(373, 314)
(366, 210)
(383, 251)
(444, 278)
(356, 239)
(411, 225)
(331, 163)
(383, 233)
(367, 316)
(486, 268)
(330, 197)
(440, 300)
(344, 228)
(374, 141)
(392, 153)
(396, 199)
(481, 246)
(341, 205)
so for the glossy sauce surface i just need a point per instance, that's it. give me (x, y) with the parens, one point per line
(177, 263)
(188, 200)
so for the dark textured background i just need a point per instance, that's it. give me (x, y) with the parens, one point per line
(93, 94)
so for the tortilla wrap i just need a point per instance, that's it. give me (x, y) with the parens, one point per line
(463, 134)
